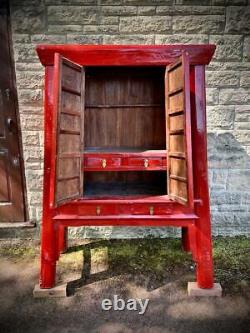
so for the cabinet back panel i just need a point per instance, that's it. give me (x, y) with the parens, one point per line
(124, 107)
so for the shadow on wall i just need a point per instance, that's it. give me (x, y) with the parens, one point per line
(225, 152)
(229, 169)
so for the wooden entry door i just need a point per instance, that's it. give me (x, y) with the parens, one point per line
(11, 181)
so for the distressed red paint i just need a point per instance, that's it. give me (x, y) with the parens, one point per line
(131, 210)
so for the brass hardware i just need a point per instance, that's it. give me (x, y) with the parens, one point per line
(151, 210)
(146, 163)
(104, 163)
(98, 210)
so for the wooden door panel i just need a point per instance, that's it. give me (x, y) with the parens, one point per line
(12, 208)
(69, 80)
(178, 118)
(176, 102)
(5, 190)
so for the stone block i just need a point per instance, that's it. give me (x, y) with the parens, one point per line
(246, 48)
(109, 20)
(57, 291)
(147, 2)
(48, 39)
(146, 10)
(225, 197)
(30, 80)
(30, 138)
(242, 114)
(190, 10)
(65, 28)
(234, 96)
(35, 198)
(35, 179)
(228, 47)
(195, 291)
(25, 53)
(238, 180)
(20, 38)
(222, 78)
(236, 66)
(243, 137)
(30, 97)
(71, 2)
(128, 39)
(26, 18)
(106, 29)
(33, 154)
(201, 24)
(181, 39)
(245, 79)
(31, 66)
(72, 14)
(142, 24)
(118, 10)
(225, 150)
(84, 39)
(220, 117)
(212, 96)
(237, 20)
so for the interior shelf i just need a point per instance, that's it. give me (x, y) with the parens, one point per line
(125, 183)
(124, 150)
(126, 159)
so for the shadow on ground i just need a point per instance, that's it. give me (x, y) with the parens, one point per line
(154, 269)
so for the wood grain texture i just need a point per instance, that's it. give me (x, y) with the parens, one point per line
(178, 119)
(69, 127)
(125, 108)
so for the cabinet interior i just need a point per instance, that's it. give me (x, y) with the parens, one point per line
(124, 112)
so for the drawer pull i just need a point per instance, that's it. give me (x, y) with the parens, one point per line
(98, 210)
(151, 210)
(104, 163)
(146, 163)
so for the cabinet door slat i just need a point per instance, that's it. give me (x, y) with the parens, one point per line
(68, 132)
(178, 119)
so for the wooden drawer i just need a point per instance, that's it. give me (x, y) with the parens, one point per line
(125, 161)
(146, 163)
(102, 162)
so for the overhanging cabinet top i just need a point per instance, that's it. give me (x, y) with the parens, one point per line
(125, 55)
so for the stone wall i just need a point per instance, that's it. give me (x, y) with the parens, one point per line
(223, 22)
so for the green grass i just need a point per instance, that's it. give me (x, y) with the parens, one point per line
(154, 258)
(232, 263)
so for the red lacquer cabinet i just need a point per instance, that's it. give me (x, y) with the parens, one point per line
(125, 144)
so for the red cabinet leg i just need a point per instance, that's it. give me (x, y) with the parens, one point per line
(189, 240)
(185, 239)
(48, 274)
(62, 239)
(204, 268)
(49, 254)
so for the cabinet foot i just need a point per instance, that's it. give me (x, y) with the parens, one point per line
(195, 291)
(57, 291)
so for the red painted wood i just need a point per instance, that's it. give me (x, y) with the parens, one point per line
(49, 249)
(120, 161)
(177, 220)
(130, 210)
(203, 244)
(125, 55)
(62, 239)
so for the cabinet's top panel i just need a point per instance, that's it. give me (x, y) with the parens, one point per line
(126, 55)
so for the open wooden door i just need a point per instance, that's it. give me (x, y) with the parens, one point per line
(68, 127)
(179, 145)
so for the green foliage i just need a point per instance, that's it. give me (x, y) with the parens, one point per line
(232, 263)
